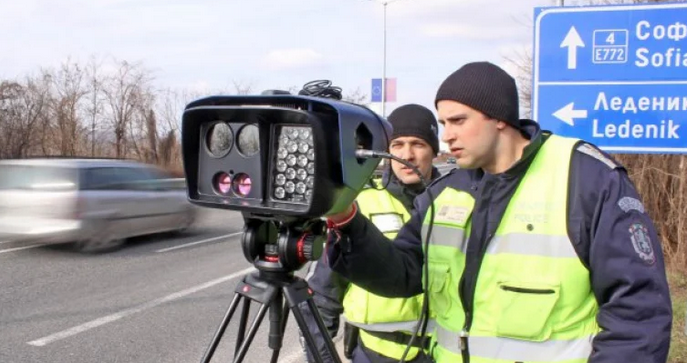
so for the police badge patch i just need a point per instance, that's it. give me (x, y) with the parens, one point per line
(387, 222)
(642, 243)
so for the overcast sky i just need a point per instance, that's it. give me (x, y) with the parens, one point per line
(209, 45)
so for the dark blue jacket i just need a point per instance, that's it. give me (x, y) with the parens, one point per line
(627, 277)
(329, 287)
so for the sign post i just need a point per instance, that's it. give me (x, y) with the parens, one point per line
(615, 76)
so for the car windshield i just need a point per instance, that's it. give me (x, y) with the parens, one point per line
(36, 177)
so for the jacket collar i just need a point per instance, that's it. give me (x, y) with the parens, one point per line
(537, 136)
(405, 193)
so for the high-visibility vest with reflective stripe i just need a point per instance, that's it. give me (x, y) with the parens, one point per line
(376, 313)
(533, 300)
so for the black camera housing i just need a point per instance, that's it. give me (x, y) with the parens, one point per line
(337, 130)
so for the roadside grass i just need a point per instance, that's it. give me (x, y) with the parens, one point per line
(678, 290)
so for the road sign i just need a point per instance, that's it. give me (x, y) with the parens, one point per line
(615, 76)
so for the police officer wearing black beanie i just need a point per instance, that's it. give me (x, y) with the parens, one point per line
(415, 120)
(415, 130)
(541, 248)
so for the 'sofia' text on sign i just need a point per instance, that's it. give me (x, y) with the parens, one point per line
(670, 57)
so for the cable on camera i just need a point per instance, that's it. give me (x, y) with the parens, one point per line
(321, 88)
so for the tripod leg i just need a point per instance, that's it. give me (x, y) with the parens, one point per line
(320, 326)
(285, 317)
(274, 340)
(242, 325)
(251, 333)
(296, 293)
(222, 327)
(277, 322)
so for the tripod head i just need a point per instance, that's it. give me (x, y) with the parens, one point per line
(282, 245)
(277, 247)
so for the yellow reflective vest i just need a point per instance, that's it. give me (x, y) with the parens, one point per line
(376, 313)
(533, 300)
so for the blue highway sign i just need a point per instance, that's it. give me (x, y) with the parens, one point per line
(615, 76)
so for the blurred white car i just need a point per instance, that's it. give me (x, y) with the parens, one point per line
(96, 204)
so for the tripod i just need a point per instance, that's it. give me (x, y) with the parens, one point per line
(269, 289)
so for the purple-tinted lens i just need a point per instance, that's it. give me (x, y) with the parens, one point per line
(223, 183)
(242, 184)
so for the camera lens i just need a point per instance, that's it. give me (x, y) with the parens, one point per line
(242, 184)
(248, 140)
(222, 183)
(219, 139)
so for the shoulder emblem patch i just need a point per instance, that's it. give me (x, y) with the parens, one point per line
(642, 243)
(596, 154)
(628, 203)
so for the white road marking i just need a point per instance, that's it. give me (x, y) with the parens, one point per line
(137, 309)
(20, 248)
(199, 242)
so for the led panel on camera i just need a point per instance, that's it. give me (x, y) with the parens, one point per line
(293, 164)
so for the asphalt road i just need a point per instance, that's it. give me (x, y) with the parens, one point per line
(160, 299)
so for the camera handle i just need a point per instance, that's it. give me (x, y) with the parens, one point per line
(269, 289)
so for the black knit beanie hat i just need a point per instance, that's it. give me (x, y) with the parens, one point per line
(484, 87)
(415, 120)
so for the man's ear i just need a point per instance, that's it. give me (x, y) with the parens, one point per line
(500, 125)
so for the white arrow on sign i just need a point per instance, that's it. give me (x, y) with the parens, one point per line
(568, 114)
(572, 41)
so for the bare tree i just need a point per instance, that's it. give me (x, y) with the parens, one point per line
(67, 93)
(94, 110)
(21, 110)
(357, 96)
(151, 133)
(124, 91)
(170, 108)
(522, 61)
(140, 127)
(242, 89)
(168, 148)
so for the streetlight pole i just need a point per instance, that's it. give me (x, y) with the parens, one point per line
(384, 67)
(384, 4)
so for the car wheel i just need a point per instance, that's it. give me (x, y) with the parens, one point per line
(105, 240)
(187, 220)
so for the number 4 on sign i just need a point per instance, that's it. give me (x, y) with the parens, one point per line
(571, 41)
(611, 38)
